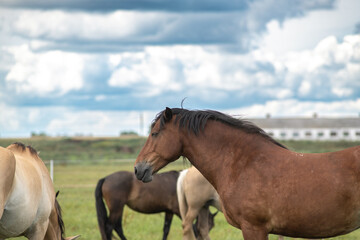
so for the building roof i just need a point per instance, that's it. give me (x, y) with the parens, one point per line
(307, 122)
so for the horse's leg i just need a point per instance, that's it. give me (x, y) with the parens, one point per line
(38, 231)
(167, 224)
(116, 221)
(203, 223)
(251, 232)
(187, 222)
(109, 227)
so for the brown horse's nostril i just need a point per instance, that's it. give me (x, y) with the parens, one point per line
(135, 169)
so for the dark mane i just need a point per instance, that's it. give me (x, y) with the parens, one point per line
(21, 147)
(196, 120)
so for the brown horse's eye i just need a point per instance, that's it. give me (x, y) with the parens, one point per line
(154, 134)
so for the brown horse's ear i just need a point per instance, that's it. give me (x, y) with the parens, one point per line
(57, 193)
(168, 114)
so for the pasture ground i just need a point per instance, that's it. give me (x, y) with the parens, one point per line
(77, 183)
(77, 179)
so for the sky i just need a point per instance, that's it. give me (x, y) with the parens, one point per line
(99, 68)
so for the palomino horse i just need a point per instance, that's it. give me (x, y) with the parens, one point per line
(264, 187)
(194, 192)
(28, 205)
(122, 188)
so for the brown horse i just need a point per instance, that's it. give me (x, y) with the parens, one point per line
(122, 188)
(194, 192)
(28, 205)
(264, 187)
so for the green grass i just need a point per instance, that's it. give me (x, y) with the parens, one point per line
(77, 200)
(319, 147)
(77, 184)
(77, 179)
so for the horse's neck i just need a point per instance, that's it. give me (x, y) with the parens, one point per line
(221, 147)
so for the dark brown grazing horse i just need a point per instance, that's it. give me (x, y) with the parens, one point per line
(264, 187)
(122, 188)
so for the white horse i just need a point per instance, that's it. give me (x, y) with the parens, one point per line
(28, 205)
(194, 193)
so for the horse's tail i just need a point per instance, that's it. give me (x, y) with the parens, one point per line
(183, 206)
(100, 209)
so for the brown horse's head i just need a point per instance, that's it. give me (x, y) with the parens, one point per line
(162, 146)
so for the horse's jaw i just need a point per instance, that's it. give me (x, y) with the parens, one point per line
(143, 171)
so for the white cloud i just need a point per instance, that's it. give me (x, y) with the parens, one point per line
(9, 119)
(296, 108)
(305, 88)
(60, 25)
(305, 32)
(34, 115)
(16, 122)
(183, 67)
(45, 72)
(99, 123)
(100, 98)
(331, 69)
(149, 73)
(54, 121)
(240, 26)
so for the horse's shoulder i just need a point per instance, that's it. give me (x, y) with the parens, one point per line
(6, 153)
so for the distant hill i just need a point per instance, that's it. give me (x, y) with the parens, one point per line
(82, 148)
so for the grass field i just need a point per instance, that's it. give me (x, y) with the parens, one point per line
(77, 184)
(76, 180)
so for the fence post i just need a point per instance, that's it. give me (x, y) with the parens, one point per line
(52, 170)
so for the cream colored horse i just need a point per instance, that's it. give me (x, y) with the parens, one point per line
(28, 205)
(194, 192)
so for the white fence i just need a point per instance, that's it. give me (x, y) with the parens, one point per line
(51, 163)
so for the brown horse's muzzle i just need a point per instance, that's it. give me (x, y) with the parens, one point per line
(143, 171)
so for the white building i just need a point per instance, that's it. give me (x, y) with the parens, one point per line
(311, 128)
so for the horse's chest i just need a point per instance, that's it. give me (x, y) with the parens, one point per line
(11, 225)
(231, 211)
(239, 207)
(20, 213)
